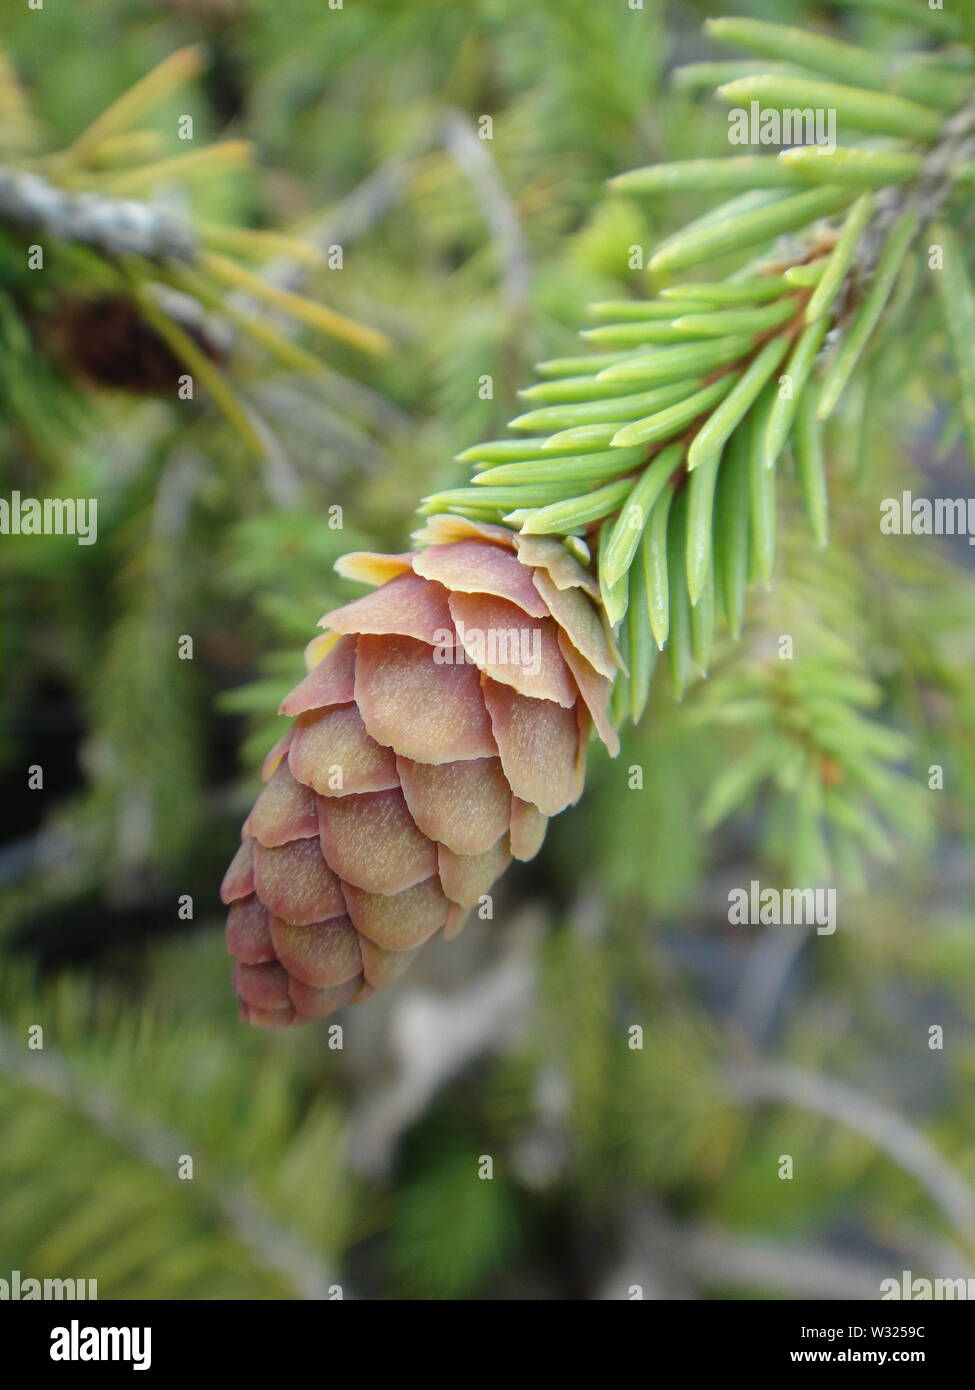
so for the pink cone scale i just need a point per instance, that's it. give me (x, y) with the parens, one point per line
(444, 719)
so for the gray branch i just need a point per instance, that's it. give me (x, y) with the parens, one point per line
(112, 226)
(768, 1082)
(668, 1259)
(474, 162)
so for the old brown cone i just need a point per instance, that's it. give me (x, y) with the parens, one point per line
(444, 719)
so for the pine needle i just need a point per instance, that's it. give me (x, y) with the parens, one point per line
(172, 73)
(315, 315)
(200, 367)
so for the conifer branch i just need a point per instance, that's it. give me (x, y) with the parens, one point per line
(272, 1246)
(118, 253)
(747, 367)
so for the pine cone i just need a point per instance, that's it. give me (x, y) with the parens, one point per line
(444, 718)
(108, 342)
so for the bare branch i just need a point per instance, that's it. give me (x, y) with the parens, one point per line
(434, 1037)
(668, 1259)
(113, 226)
(758, 1082)
(473, 160)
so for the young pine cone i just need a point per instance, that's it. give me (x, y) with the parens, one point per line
(444, 718)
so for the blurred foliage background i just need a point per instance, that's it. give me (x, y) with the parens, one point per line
(615, 1165)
